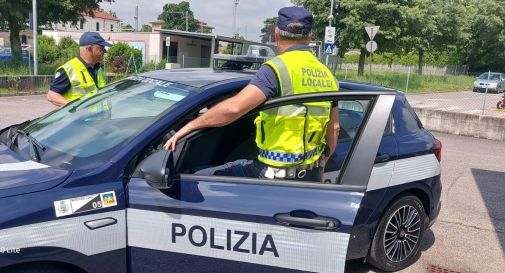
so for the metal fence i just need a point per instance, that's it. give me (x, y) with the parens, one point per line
(427, 69)
(442, 92)
(445, 103)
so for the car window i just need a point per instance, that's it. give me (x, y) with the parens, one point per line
(407, 121)
(88, 131)
(215, 147)
(351, 114)
(491, 77)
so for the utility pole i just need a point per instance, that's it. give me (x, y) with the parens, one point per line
(136, 18)
(235, 2)
(330, 18)
(186, 13)
(35, 40)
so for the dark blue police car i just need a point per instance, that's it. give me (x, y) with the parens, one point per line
(88, 188)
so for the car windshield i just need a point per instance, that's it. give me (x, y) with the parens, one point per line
(89, 131)
(492, 77)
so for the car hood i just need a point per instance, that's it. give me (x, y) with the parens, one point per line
(20, 176)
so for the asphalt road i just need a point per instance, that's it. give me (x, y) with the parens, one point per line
(17, 109)
(469, 235)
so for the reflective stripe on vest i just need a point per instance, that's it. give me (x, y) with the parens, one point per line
(295, 134)
(81, 81)
(288, 158)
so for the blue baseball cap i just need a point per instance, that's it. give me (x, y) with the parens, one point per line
(290, 15)
(92, 38)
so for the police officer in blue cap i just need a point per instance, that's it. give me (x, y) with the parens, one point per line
(284, 152)
(81, 76)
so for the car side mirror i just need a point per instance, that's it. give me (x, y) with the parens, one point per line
(157, 169)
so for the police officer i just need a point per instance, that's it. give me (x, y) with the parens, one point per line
(294, 71)
(82, 75)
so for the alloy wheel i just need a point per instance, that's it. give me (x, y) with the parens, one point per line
(402, 233)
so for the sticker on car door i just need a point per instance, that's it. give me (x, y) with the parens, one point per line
(85, 203)
(265, 244)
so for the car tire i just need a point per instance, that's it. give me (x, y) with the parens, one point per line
(395, 249)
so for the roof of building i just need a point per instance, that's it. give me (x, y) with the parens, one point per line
(102, 15)
(158, 22)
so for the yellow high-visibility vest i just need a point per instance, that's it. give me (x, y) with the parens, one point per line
(295, 134)
(81, 81)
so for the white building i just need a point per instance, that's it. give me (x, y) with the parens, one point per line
(101, 22)
(189, 49)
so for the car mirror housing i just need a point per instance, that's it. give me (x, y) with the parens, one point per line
(157, 169)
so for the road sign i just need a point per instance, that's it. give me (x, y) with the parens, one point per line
(167, 40)
(371, 46)
(372, 30)
(328, 48)
(329, 37)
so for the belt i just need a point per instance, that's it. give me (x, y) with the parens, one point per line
(298, 171)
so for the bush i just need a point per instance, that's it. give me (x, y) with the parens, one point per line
(68, 48)
(48, 51)
(154, 66)
(120, 65)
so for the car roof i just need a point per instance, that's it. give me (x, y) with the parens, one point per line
(202, 77)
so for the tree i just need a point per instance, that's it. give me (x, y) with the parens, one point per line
(68, 48)
(126, 28)
(17, 13)
(146, 28)
(484, 40)
(174, 16)
(268, 31)
(48, 51)
(118, 56)
(113, 13)
(352, 16)
(429, 26)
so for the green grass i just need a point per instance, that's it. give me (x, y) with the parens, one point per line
(13, 69)
(417, 83)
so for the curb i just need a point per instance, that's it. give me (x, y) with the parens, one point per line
(23, 93)
(463, 124)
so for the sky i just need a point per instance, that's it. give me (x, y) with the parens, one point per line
(216, 13)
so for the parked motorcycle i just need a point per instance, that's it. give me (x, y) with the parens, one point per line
(501, 103)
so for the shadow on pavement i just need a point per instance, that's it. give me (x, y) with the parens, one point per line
(357, 266)
(492, 188)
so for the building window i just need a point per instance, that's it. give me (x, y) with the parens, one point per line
(97, 26)
(111, 27)
(81, 25)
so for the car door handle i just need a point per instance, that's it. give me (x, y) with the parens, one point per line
(305, 218)
(100, 223)
(382, 158)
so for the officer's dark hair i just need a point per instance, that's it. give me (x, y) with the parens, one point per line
(297, 27)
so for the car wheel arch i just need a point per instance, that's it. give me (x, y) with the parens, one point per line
(48, 266)
(417, 192)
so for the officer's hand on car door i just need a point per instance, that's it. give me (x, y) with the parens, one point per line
(170, 144)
